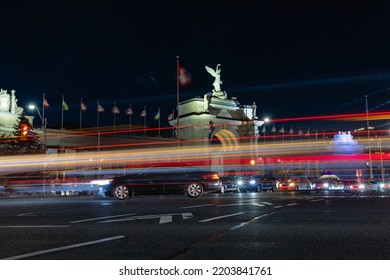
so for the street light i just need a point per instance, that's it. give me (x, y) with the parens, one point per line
(43, 122)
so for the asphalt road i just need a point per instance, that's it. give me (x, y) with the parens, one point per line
(243, 226)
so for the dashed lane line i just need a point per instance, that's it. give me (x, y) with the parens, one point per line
(101, 218)
(36, 226)
(196, 206)
(33, 254)
(221, 217)
(164, 218)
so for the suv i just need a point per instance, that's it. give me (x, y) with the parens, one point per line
(267, 183)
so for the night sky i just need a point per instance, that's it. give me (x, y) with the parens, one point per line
(293, 58)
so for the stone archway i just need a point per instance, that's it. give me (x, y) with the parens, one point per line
(228, 138)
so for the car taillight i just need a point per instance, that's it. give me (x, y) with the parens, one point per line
(211, 176)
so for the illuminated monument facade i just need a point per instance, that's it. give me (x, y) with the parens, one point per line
(9, 111)
(216, 117)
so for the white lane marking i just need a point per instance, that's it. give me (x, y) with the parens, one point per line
(278, 206)
(268, 203)
(164, 218)
(241, 204)
(292, 204)
(30, 214)
(258, 204)
(106, 203)
(100, 218)
(320, 199)
(36, 226)
(64, 248)
(245, 223)
(221, 217)
(196, 206)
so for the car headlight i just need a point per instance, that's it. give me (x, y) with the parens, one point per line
(101, 182)
(240, 182)
(362, 186)
(326, 185)
(292, 184)
(252, 182)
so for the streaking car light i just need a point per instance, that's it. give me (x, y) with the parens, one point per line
(101, 182)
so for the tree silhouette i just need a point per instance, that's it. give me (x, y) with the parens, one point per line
(14, 145)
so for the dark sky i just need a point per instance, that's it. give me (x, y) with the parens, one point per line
(293, 58)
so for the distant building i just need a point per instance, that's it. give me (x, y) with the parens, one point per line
(343, 143)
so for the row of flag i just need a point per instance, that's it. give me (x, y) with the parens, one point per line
(282, 130)
(114, 110)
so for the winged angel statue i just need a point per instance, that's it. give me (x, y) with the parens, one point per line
(217, 75)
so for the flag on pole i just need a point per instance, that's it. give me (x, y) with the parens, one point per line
(291, 130)
(282, 130)
(100, 108)
(65, 106)
(185, 78)
(157, 115)
(143, 113)
(170, 117)
(129, 111)
(115, 110)
(82, 106)
(45, 103)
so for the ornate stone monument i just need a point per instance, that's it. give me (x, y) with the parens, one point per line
(217, 116)
(217, 92)
(9, 111)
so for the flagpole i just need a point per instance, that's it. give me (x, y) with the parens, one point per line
(369, 140)
(43, 106)
(114, 114)
(159, 123)
(173, 127)
(145, 120)
(177, 101)
(97, 125)
(62, 113)
(130, 119)
(81, 110)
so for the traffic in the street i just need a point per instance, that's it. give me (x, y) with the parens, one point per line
(284, 225)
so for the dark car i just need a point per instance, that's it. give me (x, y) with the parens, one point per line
(267, 183)
(240, 183)
(163, 179)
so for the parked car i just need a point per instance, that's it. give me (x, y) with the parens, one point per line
(163, 179)
(267, 183)
(329, 183)
(295, 184)
(240, 183)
